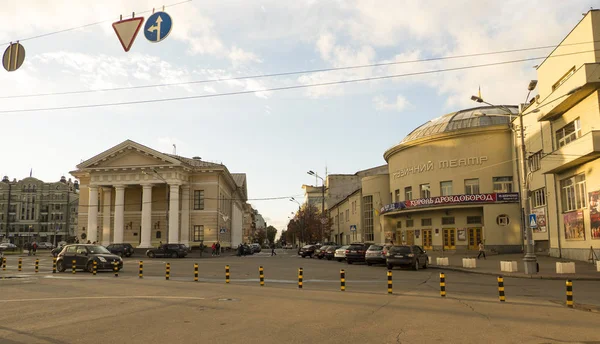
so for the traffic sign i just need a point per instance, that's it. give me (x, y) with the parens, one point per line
(352, 228)
(127, 30)
(222, 231)
(533, 221)
(158, 27)
(13, 57)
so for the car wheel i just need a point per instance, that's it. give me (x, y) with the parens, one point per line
(90, 267)
(369, 264)
(128, 255)
(328, 258)
(416, 266)
(151, 255)
(426, 263)
(60, 266)
(349, 261)
(390, 266)
(174, 255)
(320, 257)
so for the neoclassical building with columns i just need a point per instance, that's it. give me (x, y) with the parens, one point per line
(133, 194)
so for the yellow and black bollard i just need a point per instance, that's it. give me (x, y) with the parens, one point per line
(389, 276)
(501, 289)
(37, 266)
(116, 268)
(195, 272)
(94, 268)
(73, 265)
(261, 275)
(168, 271)
(569, 294)
(226, 273)
(20, 266)
(54, 265)
(141, 272)
(342, 280)
(3, 263)
(442, 284)
(300, 273)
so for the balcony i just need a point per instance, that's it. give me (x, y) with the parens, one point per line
(583, 82)
(580, 151)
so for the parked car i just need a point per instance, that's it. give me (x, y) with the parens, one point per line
(376, 254)
(356, 253)
(7, 246)
(45, 245)
(340, 253)
(123, 250)
(330, 251)
(85, 255)
(412, 256)
(307, 251)
(320, 252)
(168, 250)
(255, 248)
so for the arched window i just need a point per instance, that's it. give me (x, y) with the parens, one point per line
(158, 235)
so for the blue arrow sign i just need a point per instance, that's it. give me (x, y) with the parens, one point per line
(532, 221)
(158, 26)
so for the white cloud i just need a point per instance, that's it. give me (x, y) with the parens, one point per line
(381, 103)
(239, 56)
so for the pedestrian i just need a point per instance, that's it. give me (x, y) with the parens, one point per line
(214, 248)
(34, 248)
(481, 251)
(28, 248)
(273, 250)
(218, 247)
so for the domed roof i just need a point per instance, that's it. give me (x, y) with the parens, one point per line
(464, 119)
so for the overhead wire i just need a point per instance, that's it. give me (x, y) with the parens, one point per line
(160, 100)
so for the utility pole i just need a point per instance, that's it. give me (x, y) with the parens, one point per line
(68, 215)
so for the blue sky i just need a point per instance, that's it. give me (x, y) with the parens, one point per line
(274, 137)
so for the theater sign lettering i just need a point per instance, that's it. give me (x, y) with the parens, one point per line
(442, 164)
(512, 197)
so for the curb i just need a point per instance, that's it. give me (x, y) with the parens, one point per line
(513, 275)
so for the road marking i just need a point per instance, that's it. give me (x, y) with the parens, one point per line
(107, 298)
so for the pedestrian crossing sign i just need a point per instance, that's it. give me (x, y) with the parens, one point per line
(532, 221)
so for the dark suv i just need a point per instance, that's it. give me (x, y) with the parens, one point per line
(356, 253)
(123, 250)
(307, 251)
(411, 256)
(168, 250)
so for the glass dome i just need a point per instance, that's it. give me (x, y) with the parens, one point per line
(464, 119)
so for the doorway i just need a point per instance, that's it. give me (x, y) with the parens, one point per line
(410, 237)
(427, 239)
(449, 238)
(474, 238)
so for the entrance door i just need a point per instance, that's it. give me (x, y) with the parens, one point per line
(449, 238)
(474, 238)
(427, 241)
(410, 237)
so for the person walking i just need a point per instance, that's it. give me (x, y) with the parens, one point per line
(213, 247)
(481, 250)
(218, 247)
(273, 250)
(34, 248)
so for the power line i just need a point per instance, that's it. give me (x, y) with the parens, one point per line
(284, 87)
(86, 25)
(270, 75)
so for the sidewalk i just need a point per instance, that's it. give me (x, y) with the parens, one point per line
(584, 271)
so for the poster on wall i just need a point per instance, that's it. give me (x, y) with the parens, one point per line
(462, 234)
(541, 219)
(574, 227)
(595, 214)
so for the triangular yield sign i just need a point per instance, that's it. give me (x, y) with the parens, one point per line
(532, 222)
(127, 30)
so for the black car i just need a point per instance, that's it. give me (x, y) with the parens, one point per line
(123, 250)
(330, 251)
(356, 253)
(307, 251)
(412, 256)
(85, 255)
(168, 250)
(320, 252)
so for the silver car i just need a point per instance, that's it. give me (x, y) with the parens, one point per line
(340, 253)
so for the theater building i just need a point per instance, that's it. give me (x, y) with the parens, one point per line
(453, 183)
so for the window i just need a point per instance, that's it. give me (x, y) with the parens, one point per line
(397, 195)
(425, 190)
(568, 133)
(471, 186)
(198, 233)
(425, 222)
(336, 220)
(534, 161)
(368, 218)
(538, 198)
(572, 193)
(448, 220)
(342, 217)
(354, 207)
(446, 188)
(503, 220)
(408, 193)
(563, 78)
(158, 234)
(410, 223)
(347, 215)
(399, 224)
(198, 199)
(473, 219)
(502, 184)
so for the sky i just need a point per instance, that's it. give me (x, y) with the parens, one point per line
(274, 137)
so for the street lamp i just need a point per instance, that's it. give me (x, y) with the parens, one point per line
(292, 199)
(312, 173)
(168, 207)
(530, 259)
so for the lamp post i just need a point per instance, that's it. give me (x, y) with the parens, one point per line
(292, 199)
(312, 173)
(168, 207)
(530, 259)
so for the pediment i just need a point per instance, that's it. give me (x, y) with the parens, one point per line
(129, 154)
(130, 158)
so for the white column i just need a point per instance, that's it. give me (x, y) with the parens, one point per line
(107, 192)
(92, 230)
(146, 234)
(185, 215)
(119, 213)
(174, 214)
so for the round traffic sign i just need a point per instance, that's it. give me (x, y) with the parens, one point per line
(324, 221)
(158, 27)
(13, 57)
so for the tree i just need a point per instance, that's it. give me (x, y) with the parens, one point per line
(271, 233)
(260, 236)
(310, 225)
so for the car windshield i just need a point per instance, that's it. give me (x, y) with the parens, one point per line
(98, 250)
(344, 247)
(375, 248)
(356, 247)
(400, 249)
(307, 246)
